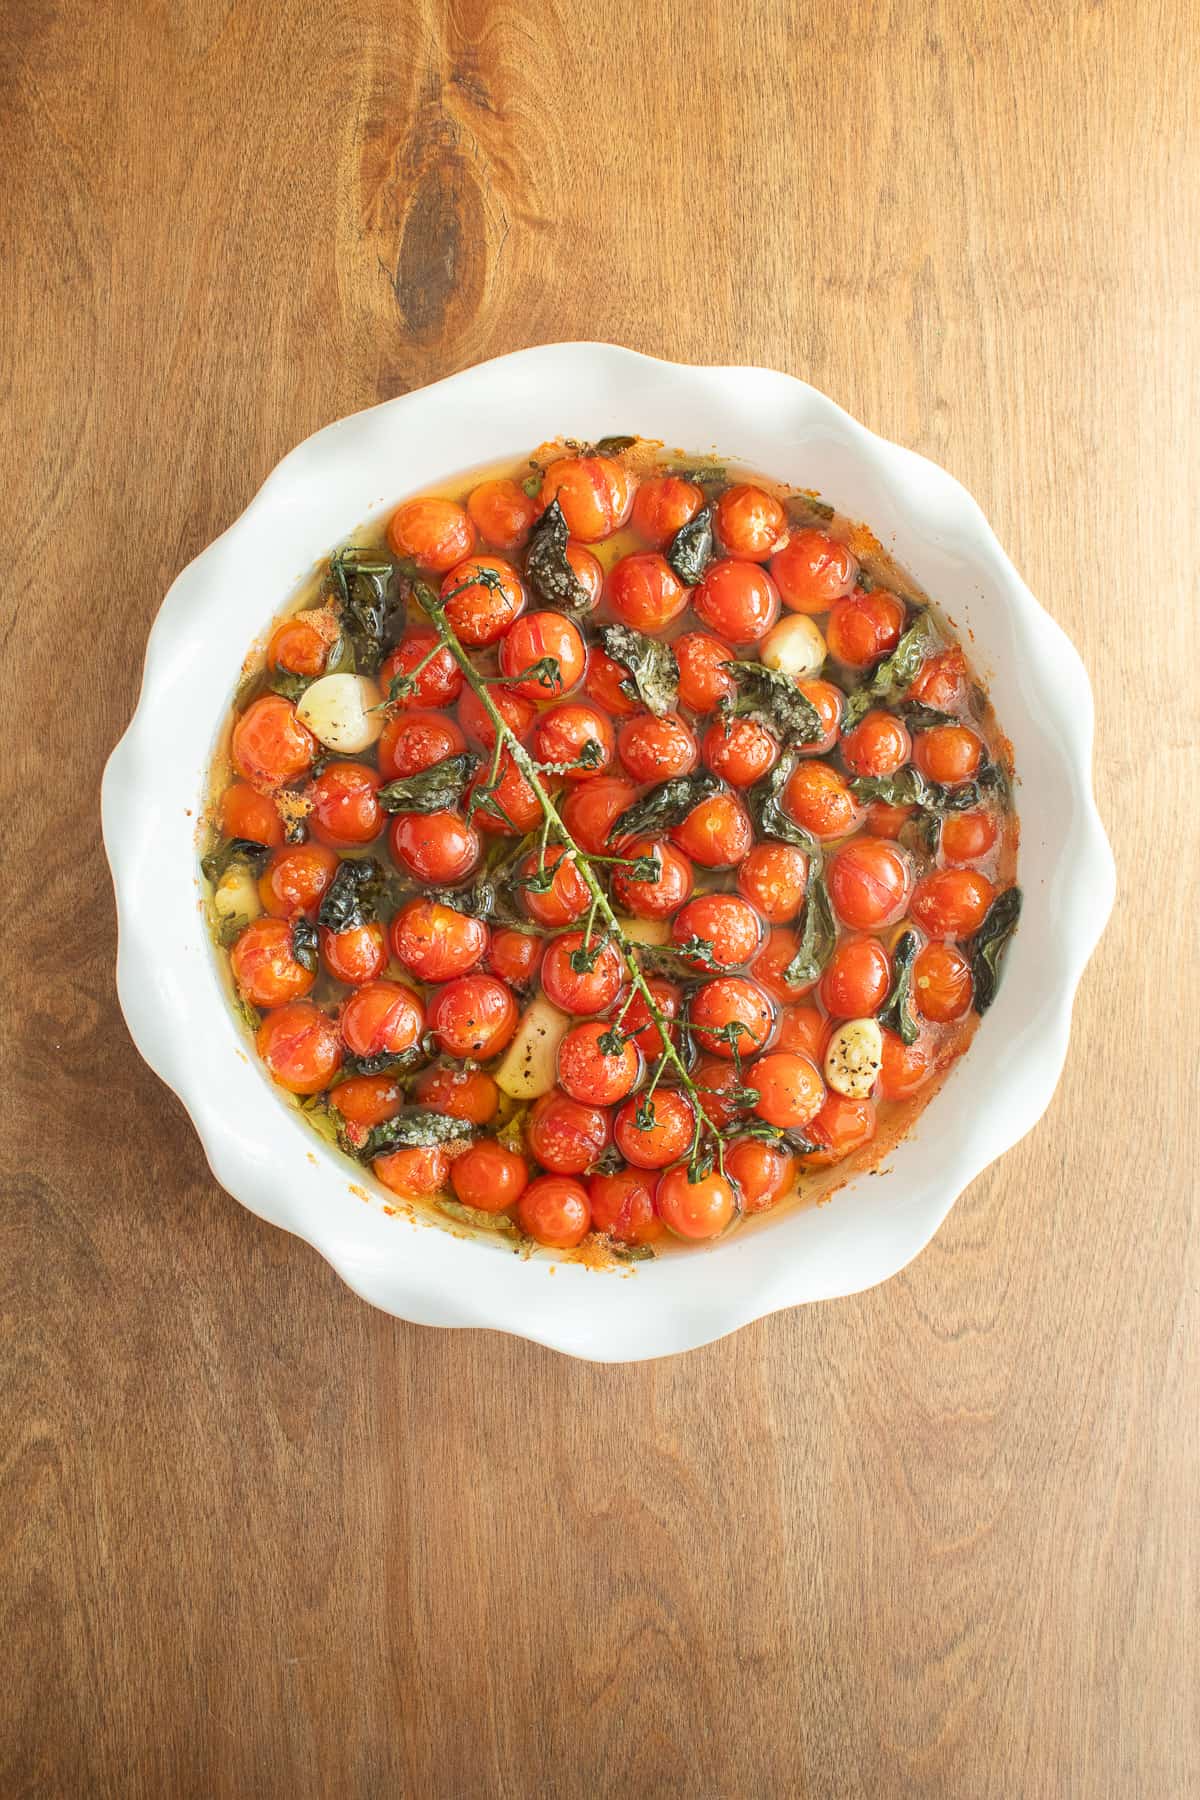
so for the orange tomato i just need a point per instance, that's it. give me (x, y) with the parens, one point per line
(436, 533)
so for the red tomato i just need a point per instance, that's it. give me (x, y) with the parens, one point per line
(878, 745)
(749, 522)
(250, 815)
(717, 833)
(952, 902)
(595, 494)
(473, 1016)
(664, 1139)
(439, 683)
(415, 1172)
(790, 1089)
(654, 749)
(740, 751)
(818, 799)
(886, 821)
(737, 600)
(805, 1030)
(653, 899)
(948, 753)
(603, 685)
(264, 968)
(588, 1073)
(299, 1045)
(842, 1125)
(762, 1173)
(906, 1067)
(565, 733)
(695, 1209)
(856, 979)
(729, 926)
(863, 628)
(581, 990)
(302, 643)
(664, 505)
(941, 681)
(639, 1023)
(967, 836)
(295, 879)
(367, 1100)
(588, 571)
(270, 746)
(513, 955)
(502, 513)
(482, 598)
(468, 1094)
(771, 964)
(723, 1005)
(868, 881)
(384, 1018)
(717, 1082)
(812, 571)
(536, 637)
(623, 1207)
(489, 1177)
(517, 712)
(511, 808)
(644, 591)
(830, 703)
(942, 985)
(565, 1135)
(413, 741)
(590, 811)
(774, 878)
(436, 533)
(345, 811)
(438, 847)
(436, 942)
(554, 1210)
(702, 681)
(356, 955)
(568, 896)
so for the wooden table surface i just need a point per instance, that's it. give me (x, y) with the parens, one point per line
(937, 1540)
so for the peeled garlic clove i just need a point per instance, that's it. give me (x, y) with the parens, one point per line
(342, 711)
(236, 894)
(854, 1058)
(795, 647)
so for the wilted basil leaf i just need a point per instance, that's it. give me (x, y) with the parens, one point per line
(385, 1060)
(908, 787)
(916, 713)
(665, 804)
(360, 596)
(653, 670)
(766, 808)
(692, 547)
(304, 943)
(438, 789)
(292, 687)
(890, 677)
(419, 1130)
(818, 935)
(231, 850)
(804, 508)
(350, 898)
(774, 700)
(477, 1218)
(987, 947)
(793, 1139)
(612, 446)
(896, 1012)
(546, 567)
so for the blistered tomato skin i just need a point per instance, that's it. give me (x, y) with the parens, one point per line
(436, 533)
(345, 811)
(245, 813)
(439, 682)
(264, 967)
(663, 506)
(732, 1011)
(878, 745)
(812, 571)
(554, 1211)
(739, 751)
(384, 1018)
(578, 740)
(639, 1024)
(414, 741)
(950, 754)
(301, 645)
(508, 809)
(906, 1067)
(502, 513)
(533, 639)
(489, 1177)
(604, 685)
(702, 679)
(738, 600)
(645, 592)
(653, 899)
(595, 493)
(830, 704)
(749, 522)
(856, 979)
(655, 749)
(761, 1172)
(356, 955)
(270, 746)
(942, 987)
(774, 879)
(566, 1136)
(435, 847)
(965, 837)
(513, 955)
(623, 1206)
(817, 798)
(435, 942)
(863, 628)
(590, 811)
(483, 596)
(725, 928)
(842, 1125)
(587, 990)
(941, 681)
(590, 1072)
(952, 902)
(414, 1173)
(716, 834)
(770, 966)
(368, 1100)
(295, 879)
(468, 1094)
(566, 899)
(868, 881)
(473, 1016)
(661, 1135)
(299, 1045)
(588, 571)
(695, 1209)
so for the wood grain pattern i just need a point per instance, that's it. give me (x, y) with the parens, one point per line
(939, 1540)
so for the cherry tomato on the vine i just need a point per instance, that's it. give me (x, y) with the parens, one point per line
(565, 899)
(566, 1136)
(413, 741)
(517, 712)
(730, 1013)
(725, 927)
(761, 1171)
(510, 808)
(439, 683)
(591, 809)
(656, 1131)
(482, 597)
(653, 899)
(591, 1072)
(435, 941)
(582, 990)
(695, 1209)
(575, 734)
(639, 1022)
(543, 656)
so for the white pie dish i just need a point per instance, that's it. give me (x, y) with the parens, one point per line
(154, 784)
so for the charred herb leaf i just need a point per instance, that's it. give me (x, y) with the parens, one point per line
(612, 446)
(546, 567)
(384, 1060)
(231, 850)
(908, 787)
(360, 597)
(632, 1253)
(804, 508)
(793, 1140)
(766, 809)
(774, 700)
(475, 1217)
(666, 804)
(890, 677)
(438, 789)
(897, 1011)
(351, 896)
(653, 671)
(304, 944)
(916, 713)
(419, 1130)
(987, 948)
(703, 474)
(818, 935)
(692, 547)
(292, 687)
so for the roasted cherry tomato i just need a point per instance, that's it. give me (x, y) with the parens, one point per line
(482, 598)
(590, 811)
(887, 821)
(295, 879)
(368, 1100)
(468, 1094)
(436, 533)
(639, 1023)
(566, 1136)
(356, 955)
(724, 930)
(591, 983)
(830, 703)
(812, 571)
(517, 712)
(749, 522)
(771, 965)
(655, 749)
(502, 513)
(436, 679)
(250, 815)
(301, 645)
(878, 745)
(740, 751)
(762, 1172)
(948, 753)
(655, 1131)
(414, 741)
(595, 494)
(664, 505)
(579, 738)
(384, 1018)
(265, 967)
(345, 811)
(511, 807)
(842, 1125)
(513, 955)
(588, 571)
(644, 591)
(566, 898)
(790, 1089)
(604, 685)
(719, 1084)
(952, 902)
(473, 1016)
(555, 1211)
(774, 878)
(868, 881)
(856, 979)
(818, 799)
(300, 1047)
(435, 941)
(594, 1074)
(623, 1206)
(270, 746)
(414, 1173)
(941, 681)
(864, 627)
(804, 1029)
(702, 680)
(437, 847)
(716, 834)
(653, 899)
(695, 1209)
(732, 1012)
(968, 836)
(738, 600)
(489, 1177)
(942, 985)
(543, 656)
(906, 1067)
